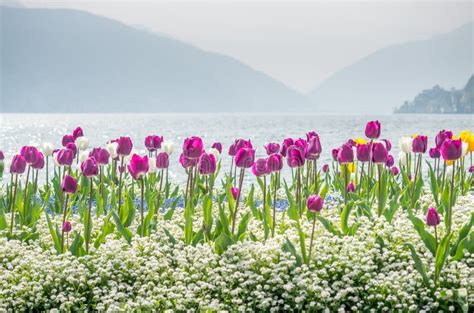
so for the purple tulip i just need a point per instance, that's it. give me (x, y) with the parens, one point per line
(372, 130)
(442, 136)
(2, 157)
(295, 157)
(39, 163)
(394, 170)
(390, 161)
(435, 153)
(301, 144)
(207, 164)
(65, 157)
(272, 147)
(69, 184)
(314, 203)
(162, 160)
(288, 142)
(89, 167)
(72, 146)
(101, 155)
(30, 154)
(388, 144)
(275, 162)
(313, 149)
(260, 168)
(363, 152)
(217, 146)
(471, 169)
(76, 133)
(311, 134)
(235, 192)
(193, 147)
(67, 139)
(451, 149)
(351, 142)
(244, 157)
(124, 146)
(153, 142)
(138, 166)
(345, 154)
(351, 187)
(187, 162)
(335, 152)
(67, 227)
(325, 168)
(419, 144)
(379, 153)
(18, 164)
(242, 143)
(432, 217)
(231, 151)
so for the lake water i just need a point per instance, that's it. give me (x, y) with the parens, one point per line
(17, 130)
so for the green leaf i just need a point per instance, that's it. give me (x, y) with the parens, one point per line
(290, 248)
(428, 239)
(170, 236)
(126, 233)
(76, 246)
(441, 255)
(420, 267)
(302, 236)
(346, 211)
(54, 234)
(222, 243)
(243, 226)
(328, 225)
(292, 210)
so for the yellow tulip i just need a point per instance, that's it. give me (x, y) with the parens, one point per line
(351, 168)
(470, 143)
(449, 162)
(360, 141)
(464, 135)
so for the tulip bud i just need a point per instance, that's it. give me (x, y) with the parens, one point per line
(82, 143)
(217, 146)
(325, 168)
(435, 153)
(100, 155)
(272, 147)
(69, 184)
(47, 148)
(30, 154)
(39, 163)
(351, 187)
(67, 139)
(207, 164)
(314, 203)
(125, 146)
(363, 152)
(67, 226)
(162, 160)
(394, 170)
(390, 161)
(76, 133)
(379, 153)
(153, 142)
(345, 154)
(442, 136)
(295, 157)
(65, 157)
(288, 142)
(235, 192)
(471, 169)
(373, 129)
(420, 144)
(432, 217)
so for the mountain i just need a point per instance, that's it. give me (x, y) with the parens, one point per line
(383, 80)
(438, 101)
(59, 60)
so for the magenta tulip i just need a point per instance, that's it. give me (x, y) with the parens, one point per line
(325, 168)
(372, 130)
(345, 154)
(394, 170)
(138, 166)
(244, 157)
(432, 217)
(124, 146)
(30, 154)
(295, 157)
(313, 149)
(153, 142)
(193, 147)
(435, 153)
(288, 142)
(76, 133)
(335, 152)
(217, 146)
(451, 149)
(272, 147)
(187, 162)
(314, 203)
(235, 192)
(379, 153)
(260, 168)
(67, 226)
(39, 163)
(18, 164)
(442, 136)
(388, 144)
(89, 167)
(65, 157)
(231, 151)
(301, 143)
(351, 187)
(242, 143)
(162, 160)
(471, 169)
(101, 155)
(363, 152)
(69, 184)
(207, 164)
(275, 162)
(390, 161)
(67, 139)
(420, 144)
(311, 134)
(72, 146)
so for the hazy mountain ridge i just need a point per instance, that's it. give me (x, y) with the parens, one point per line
(438, 101)
(381, 81)
(59, 60)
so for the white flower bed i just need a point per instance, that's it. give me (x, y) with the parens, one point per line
(345, 273)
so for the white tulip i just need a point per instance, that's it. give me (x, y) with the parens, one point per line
(151, 165)
(403, 159)
(465, 147)
(47, 148)
(405, 144)
(83, 155)
(168, 147)
(82, 143)
(214, 152)
(112, 148)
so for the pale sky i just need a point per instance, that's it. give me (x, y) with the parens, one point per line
(298, 43)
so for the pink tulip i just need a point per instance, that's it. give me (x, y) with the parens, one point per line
(451, 149)
(193, 147)
(153, 142)
(275, 162)
(420, 144)
(138, 166)
(314, 203)
(217, 146)
(186, 162)
(67, 139)
(325, 168)
(67, 226)
(65, 157)
(101, 155)
(379, 153)
(162, 160)
(260, 168)
(435, 153)
(30, 154)
(232, 149)
(288, 142)
(313, 149)
(351, 187)
(373, 130)
(207, 164)
(394, 170)
(345, 154)
(442, 136)
(124, 146)
(295, 157)
(76, 133)
(390, 161)
(89, 167)
(363, 152)
(244, 157)
(18, 164)
(432, 217)
(272, 147)
(39, 163)
(235, 192)
(72, 146)
(69, 184)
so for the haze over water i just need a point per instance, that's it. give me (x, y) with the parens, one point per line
(17, 130)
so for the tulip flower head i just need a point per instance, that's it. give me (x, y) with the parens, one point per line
(272, 147)
(313, 148)
(193, 147)
(260, 168)
(471, 169)
(89, 167)
(242, 143)
(244, 157)
(288, 142)
(69, 185)
(162, 160)
(72, 146)
(420, 144)
(18, 165)
(435, 153)
(138, 166)
(153, 142)
(168, 147)
(394, 170)
(30, 154)
(67, 139)
(345, 154)
(388, 144)
(451, 149)
(432, 217)
(363, 152)
(235, 192)
(315, 203)
(67, 226)
(65, 157)
(111, 147)
(390, 161)
(335, 152)
(295, 157)
(207, 164)
(351, 187)
(47, 149)
(76, 133)
(405, 144)
(187, 162)
(82, 143)
(231, 151)
(101, 155)
(124, 146)
(217, 146)
(39, 163)
(442, 136)
(275, 162)
(373, 130)
(325, 168)
(379, 153)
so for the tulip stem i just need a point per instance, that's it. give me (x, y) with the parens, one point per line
(64, 220)
(451, 200)
(158, 197)
(275, 176)
(120, 186)
(87, 229)
(417, 169)
(231, 165)
(142, 208)
(379, 202)
(241, 181)
(25, 198)
(47, 171)
(316, 187)
(312, 238)
(12, 210)
(346, 183)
